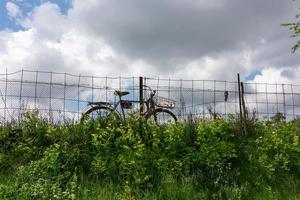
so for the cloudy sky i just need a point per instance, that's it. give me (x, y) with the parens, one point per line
(190, 39)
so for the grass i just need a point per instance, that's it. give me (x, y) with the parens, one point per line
(110, 159)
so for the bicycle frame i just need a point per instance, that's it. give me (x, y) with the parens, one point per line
(150, 105)
(118, 103)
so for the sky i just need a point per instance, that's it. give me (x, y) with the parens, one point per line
(188, 39)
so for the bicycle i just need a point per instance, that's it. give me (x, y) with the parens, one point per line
(158, 112)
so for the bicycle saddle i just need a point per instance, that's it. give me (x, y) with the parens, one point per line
(120, 93)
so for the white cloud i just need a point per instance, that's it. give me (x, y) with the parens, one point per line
(106, 38)
(13, 10)
(222, 67)
(274, 75)
(47, 21)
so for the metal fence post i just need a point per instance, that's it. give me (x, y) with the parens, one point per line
(78, 97)
(180, 100)
(256, 100)
(240, 100)
(92, 88)
(203, 99)
(141, 95)
(106, 87)
(20, 97)
(50, 98)
(5, 95)
(35, 89)
(235, 99)
(192, 97)
(267, 100)
(169, 88)
(284, 106)
(64, 106)
(157, 87)
(243, 102)
(277, 106)
(225, 99)
(133, 88)
(293, 100)
(214, 97)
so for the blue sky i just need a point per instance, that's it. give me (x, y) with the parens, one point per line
(5, 22)
(253, 74)
(26, 6)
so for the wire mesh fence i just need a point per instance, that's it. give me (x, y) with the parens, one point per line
(63, 97)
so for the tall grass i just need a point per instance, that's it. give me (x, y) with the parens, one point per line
(112, 159)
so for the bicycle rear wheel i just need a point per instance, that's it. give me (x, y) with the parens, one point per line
(163, 116)
(100, 112)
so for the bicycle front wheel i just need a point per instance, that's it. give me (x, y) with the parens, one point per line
(100, 112)
(163, 116)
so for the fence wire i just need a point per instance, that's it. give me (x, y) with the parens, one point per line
(63, 97)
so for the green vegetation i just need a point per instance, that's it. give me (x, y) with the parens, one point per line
(197, 159)
(295, 28)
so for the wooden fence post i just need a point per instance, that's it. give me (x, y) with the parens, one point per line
(243, 102)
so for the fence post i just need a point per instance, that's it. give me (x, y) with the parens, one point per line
(50, 98)
(180, 100)
(244, 111)
(284, 106)
(214, 99)
(243, 102)
(64, 106)
(78, 97)
(203, 99)
(157, 87)
(256, 100)
(133, 88)
(225, 99)
(293, 100)
(235, 99)
(106, 87)
(141, 86)
(277, 106)
(93, 88)
(192, 98)
(35, 89)
(240, 100)
(20, 97)
(5, 95)
(267, 99)
(169, 88)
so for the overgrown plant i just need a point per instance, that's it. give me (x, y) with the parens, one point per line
(113, 159)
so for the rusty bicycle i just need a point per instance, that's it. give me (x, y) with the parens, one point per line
(157, 109)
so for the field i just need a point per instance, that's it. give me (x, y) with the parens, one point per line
(111, 159)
